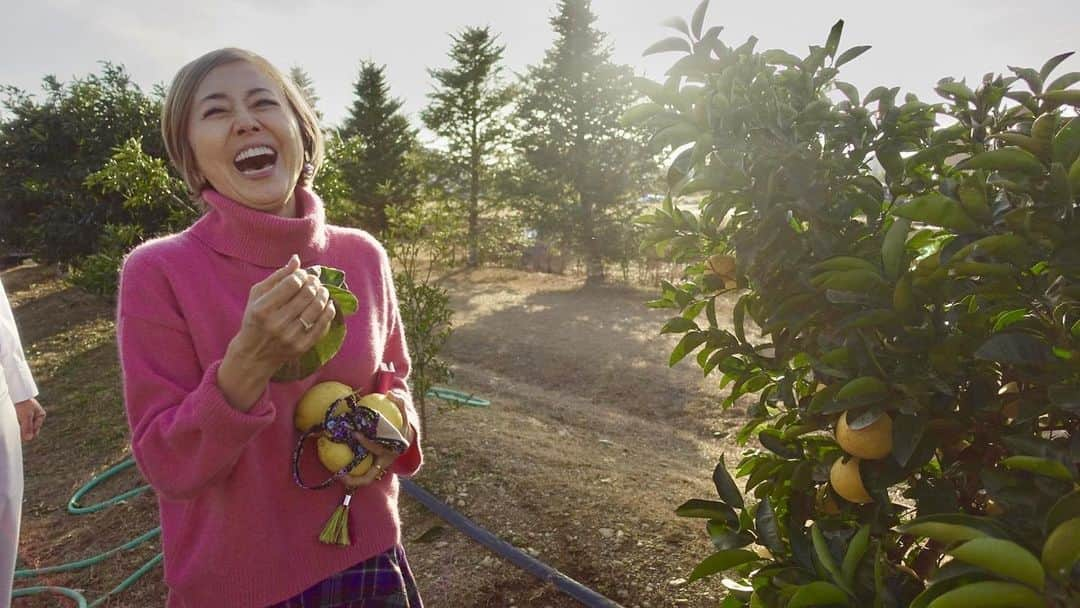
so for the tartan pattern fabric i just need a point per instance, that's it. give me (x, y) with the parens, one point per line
(384, 581)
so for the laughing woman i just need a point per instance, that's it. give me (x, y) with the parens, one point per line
(208, 315)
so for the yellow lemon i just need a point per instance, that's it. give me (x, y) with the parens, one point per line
(334, 456)
(723, 265)
(385, 407)
(312, 407)
(847, 481)
(870, 443)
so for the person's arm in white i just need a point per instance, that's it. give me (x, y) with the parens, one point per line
(20, 381)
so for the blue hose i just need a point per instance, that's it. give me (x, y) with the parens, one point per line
(519, 558)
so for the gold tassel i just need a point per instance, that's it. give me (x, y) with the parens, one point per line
(336, 531)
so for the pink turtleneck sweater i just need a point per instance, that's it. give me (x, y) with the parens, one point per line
(236, 529)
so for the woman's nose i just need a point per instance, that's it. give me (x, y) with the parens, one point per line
(245, 122)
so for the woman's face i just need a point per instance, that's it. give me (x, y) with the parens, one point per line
(245, 138)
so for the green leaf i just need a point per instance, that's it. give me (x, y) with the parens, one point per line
(821, 549)
(781, 57)
(765, 524)
(678, 325)
(1002, 557)
(862, 386)
(698, 20)
(677, 23)
(640, 113)
(344, 301)
(856, 549)
(721, 561)
(668, 45)
(317, 355)
(686, 346)
(1006, 159)
(725, 485)
(708, 509)
(1066, 508)
(1064, 81)
(724, 537)
(330, 276)
(1052, 63)
(818, 593)
(1069, 97)
(1067, 143)
(1020, 349)
(1009, 317)
(849, 91)
(834, 38)
(893, 256)
(851, 54)
(860, 281)
(941, 532)
(738, 318)
(907, 432)
(937, 209)
(1039, 466)
(770, 438)
(990, 594)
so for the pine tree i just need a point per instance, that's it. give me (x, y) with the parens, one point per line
(380, 174)
(303, 82)
(467, 110)
(580, 162)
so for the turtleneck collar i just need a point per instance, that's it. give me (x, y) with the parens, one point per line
(262, 238)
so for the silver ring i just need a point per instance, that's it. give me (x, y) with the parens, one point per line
(305, 323)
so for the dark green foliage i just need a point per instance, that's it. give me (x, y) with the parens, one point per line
(899, 258)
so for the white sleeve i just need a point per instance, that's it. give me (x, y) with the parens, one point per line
(12, 362)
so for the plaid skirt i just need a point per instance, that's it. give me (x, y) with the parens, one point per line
(384, 581)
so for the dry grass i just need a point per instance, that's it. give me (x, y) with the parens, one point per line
(590, 443)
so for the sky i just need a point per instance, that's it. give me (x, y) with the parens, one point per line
(915, 42)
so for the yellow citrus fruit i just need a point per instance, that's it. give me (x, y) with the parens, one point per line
(1062, 549)
(312, 407)
(334, 456)
(870, 443)
(385, 407)
(847, 481)
(722, 266)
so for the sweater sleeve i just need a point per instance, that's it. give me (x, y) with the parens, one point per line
(184, 434)
(13, 365)
(396, 351)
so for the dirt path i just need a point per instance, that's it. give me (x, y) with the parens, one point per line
(589, 445)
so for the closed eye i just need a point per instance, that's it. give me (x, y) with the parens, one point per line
(265, 102)
(210, 112)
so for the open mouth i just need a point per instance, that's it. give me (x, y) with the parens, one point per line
(255, 160)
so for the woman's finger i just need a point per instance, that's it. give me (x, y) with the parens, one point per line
(265, 285)
(374, 447)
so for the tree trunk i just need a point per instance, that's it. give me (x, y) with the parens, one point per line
(474, 212)
(594, 262)
(474, 192)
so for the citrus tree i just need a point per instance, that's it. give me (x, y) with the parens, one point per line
(906, 327)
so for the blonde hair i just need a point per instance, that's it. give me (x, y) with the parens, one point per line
(176, 112)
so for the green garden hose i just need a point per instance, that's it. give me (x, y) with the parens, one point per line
(75, 508)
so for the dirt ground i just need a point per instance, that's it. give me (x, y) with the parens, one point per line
(590, 443)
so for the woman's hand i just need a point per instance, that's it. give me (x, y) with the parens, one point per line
(384, 457)
(286, 314)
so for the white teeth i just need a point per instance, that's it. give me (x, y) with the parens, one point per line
(255, 151)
